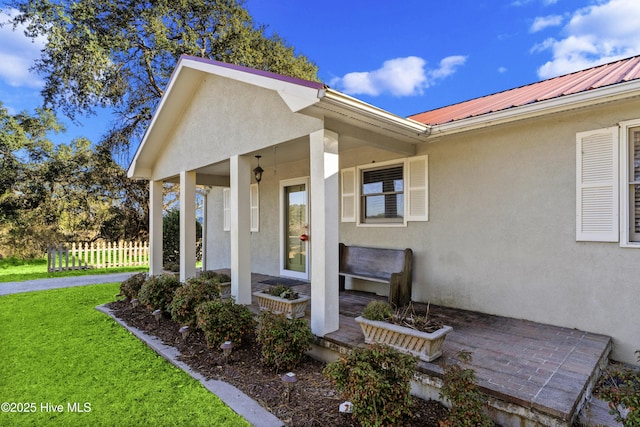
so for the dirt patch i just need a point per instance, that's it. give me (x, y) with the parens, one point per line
(312, 401)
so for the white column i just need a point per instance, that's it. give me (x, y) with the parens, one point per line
(187, 225)
(324, 231)
(240, 229)
(205, 227)
(155, 228)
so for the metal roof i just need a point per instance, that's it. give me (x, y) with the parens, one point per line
(580, 81)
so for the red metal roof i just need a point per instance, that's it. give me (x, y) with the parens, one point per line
(579, 81)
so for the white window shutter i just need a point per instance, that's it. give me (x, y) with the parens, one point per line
(597, 206)
(226, 202)
(417, 191)
(255, 207)
(348, 194)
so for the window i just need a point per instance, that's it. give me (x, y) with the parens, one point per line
(386, 194)
(382, 195)
(254, 206)
(630, 180)
(608, 185)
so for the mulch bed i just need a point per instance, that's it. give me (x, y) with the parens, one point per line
(312, 401)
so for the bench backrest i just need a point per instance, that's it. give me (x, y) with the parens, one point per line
(372, 261)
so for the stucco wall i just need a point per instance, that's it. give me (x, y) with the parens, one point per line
(501, 232)
(226, 118)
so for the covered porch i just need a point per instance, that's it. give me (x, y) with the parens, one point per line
(535, 374)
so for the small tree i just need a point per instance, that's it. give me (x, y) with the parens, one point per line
(171, 237)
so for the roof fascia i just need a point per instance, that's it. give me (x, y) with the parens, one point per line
(363, 110)
(592, 97)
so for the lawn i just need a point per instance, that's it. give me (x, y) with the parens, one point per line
(17, 270)
(68, 364)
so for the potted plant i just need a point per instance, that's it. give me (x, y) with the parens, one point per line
(282, 299)
(403, 330)
(223, 280)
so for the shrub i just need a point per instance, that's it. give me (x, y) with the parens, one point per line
(224, 320)
(622, 391)
(190, 295)
(377, 310)
(284, 342)
(377, 381)
(467, 402)
(130, 287)
(157, 291)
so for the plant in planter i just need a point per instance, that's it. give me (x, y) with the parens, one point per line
(403, 330)
(223, 280)
(282, 299)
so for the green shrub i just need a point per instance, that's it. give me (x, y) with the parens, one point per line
(157, 291)
(283, 342)
(377, 310)
(224, 320)
(622, 391)
(130, 287)
(171, 238)
(377, 381)
(467, 402)
(190, 295)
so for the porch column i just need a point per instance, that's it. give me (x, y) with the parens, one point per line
(187, 225)
(155, 228)
(205, 218)
(323, 149)
(240, 229)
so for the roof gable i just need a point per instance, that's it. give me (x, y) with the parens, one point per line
(570, 84)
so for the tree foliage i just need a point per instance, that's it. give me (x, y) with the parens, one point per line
(121, 54)
(68, 192)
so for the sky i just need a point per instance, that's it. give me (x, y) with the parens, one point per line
(405, 56)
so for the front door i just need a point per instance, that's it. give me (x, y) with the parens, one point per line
(295, 228)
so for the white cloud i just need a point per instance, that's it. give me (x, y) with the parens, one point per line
(502, 70)
(17, 54)
(399, 77)
(542, 22)
(594, 35)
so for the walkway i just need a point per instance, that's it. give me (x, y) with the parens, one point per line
(7, 288)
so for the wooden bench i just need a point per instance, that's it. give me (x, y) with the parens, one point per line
(392, 266)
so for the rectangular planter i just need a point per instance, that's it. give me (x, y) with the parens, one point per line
(426, 346)
(292, 308)
(225, 290)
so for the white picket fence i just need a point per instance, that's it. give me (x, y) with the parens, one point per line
(80, 256)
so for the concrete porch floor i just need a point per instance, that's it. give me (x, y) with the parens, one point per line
(534, 374)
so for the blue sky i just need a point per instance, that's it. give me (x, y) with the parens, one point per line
(406, 56)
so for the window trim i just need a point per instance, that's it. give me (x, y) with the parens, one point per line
(625, 216)
(409, 188)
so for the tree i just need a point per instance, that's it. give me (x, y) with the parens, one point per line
(61, 193)
(121, 54)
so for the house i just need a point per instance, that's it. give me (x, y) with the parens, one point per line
(524, 203)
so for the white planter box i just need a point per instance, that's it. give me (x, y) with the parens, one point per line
(292, 308)
(426, 346)
(225, 290)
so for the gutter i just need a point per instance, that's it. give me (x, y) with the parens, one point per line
(360, 108)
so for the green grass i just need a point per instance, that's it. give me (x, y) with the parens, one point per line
(17, 270)
(57, 349)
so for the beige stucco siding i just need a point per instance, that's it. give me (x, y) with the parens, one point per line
(227, 118)
(501, 233)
